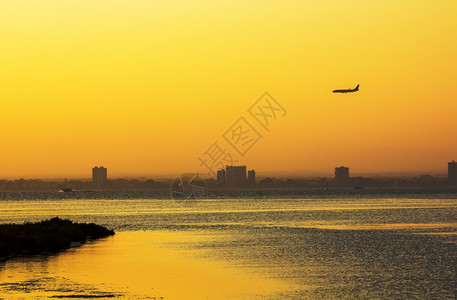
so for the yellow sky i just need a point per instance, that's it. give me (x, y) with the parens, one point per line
(146, 87)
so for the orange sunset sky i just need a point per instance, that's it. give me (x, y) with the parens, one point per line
(146, 87)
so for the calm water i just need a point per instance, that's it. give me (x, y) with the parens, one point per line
(269, 248)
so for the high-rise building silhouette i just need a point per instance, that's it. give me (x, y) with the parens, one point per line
(341, 175)
(251, 177)
(99, 177)
(221, 176)
(235, 175)
(452, 172)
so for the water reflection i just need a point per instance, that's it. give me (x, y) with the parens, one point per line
(135, 265)
(245, 248)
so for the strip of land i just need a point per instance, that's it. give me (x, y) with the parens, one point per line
(49, 235)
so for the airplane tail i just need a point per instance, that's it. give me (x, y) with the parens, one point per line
(357, 87)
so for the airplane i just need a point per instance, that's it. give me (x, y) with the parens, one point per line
(348, 90)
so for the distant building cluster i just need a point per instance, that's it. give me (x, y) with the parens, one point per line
(235, 176)
(342, 175)
(239, 176)
(99, 177)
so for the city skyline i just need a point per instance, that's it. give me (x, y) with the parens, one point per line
(235, 177)
(98, 175)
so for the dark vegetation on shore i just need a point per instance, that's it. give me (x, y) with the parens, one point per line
(48, 235)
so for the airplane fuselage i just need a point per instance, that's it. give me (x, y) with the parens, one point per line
(347, 90)
(344, 91)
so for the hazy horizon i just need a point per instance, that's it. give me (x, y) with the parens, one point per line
(259, 174)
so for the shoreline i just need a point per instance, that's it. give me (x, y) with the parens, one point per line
(232, 194)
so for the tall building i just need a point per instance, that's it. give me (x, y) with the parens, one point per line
(235, 175)
(251, 177)
(221, 176)
(452, 172)
(341, 175)
(99, 177)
